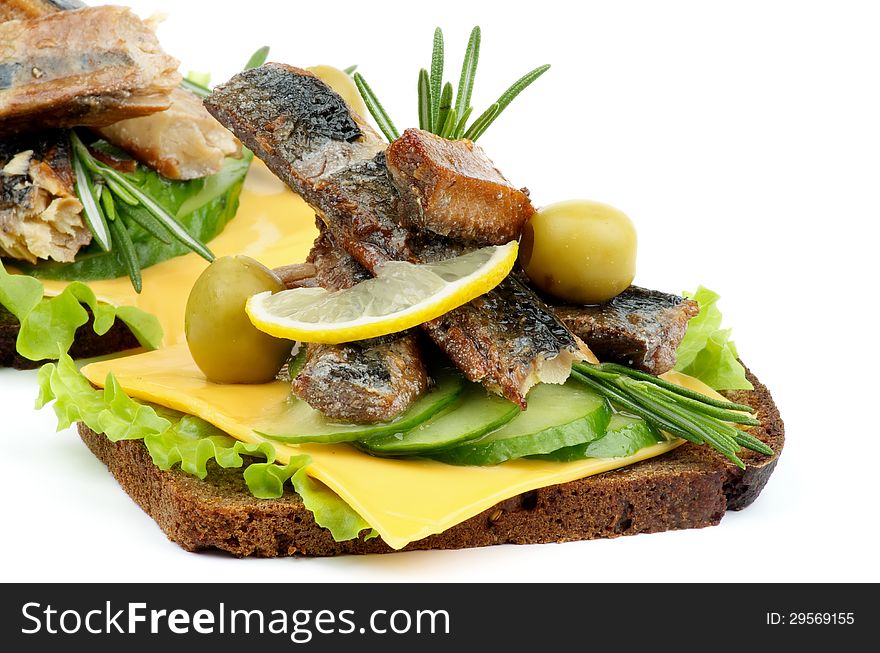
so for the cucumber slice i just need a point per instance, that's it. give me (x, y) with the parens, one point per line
(299, 423)
(625, 436)
(474, 414)
(558, 416)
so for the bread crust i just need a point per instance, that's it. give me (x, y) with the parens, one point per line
(690, 487)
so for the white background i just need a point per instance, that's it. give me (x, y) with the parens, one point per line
(742, 138)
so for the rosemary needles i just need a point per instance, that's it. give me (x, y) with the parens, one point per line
(99, 188)
(436, 111)
(676, 410)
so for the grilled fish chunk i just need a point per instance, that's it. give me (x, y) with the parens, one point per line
(640, 328)
(40, 216)
(181, 142)
(307, 136)
(19, 9)
(92, 66)
(453, 189)
(368, 381)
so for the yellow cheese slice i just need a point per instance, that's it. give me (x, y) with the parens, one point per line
(404, 500)
(272, 225)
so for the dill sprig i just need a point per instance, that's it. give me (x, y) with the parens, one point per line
(436, 111)
(673, 409)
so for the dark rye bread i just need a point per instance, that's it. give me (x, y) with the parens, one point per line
(86, 343)
(690, 487)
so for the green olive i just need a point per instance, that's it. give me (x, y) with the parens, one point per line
(579, 251)
(222, 340)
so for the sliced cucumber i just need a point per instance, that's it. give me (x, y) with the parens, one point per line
(474, 414)
(558, 416)
(299, 423)
(624, 437)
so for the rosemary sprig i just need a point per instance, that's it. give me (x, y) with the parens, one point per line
(165, 219)
(468, 72)
(425, 102)
(121, 193)
(109, 207)
(449, 124)
(99, 186)
(126, 248)
(444, 109)
(662, 383)
(482, 123)
(375, 108)
(258, 58)
(85, 190)
(459, 128)
(436, 78)
(436, 111)
(508, 96)
(152, 226)
(676, 410)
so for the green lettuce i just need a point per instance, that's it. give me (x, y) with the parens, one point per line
(706, 351)
(46, 323)
(19, 294)
(173, 438)
(203, 206)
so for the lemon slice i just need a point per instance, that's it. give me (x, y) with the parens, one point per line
(401, 296)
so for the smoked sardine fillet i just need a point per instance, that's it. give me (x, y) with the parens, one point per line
(453, 189)
(640, 328)
(40, 215)
(92, 66)
(371, 380)
(508, 339)
(181, 142)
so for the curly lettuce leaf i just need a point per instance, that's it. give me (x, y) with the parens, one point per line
(46, 324)
(706, 351)
(192, 442)
(328, 508)
(175, 438)
(19, 294)
(145, 327)
(266, 480)
(109, 411)
(203, 206)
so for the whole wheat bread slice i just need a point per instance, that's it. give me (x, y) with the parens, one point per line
(690, 487)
